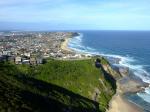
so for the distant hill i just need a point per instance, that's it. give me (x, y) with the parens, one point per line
(57, 86)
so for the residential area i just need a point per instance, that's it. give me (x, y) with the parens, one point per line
(33, 47)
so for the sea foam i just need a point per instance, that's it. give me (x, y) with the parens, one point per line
(126, 61)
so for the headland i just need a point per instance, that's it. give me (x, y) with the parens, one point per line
(125, 84)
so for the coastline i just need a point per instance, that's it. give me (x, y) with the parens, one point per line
(121, 104)
(64, 45)
(127, 84)
(74, 54)
(118, 103)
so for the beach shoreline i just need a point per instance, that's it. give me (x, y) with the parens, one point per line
(127, 84)
(64, 45)
(77, 55)
(121, 104)
(118, 103)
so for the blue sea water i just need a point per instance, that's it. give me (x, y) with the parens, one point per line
(132, 47)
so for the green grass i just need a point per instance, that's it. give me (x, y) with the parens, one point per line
(57, 85)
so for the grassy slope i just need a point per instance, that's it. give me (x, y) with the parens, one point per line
(55, 86)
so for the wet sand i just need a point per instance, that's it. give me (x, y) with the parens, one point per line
(119, 103)
(64, 45)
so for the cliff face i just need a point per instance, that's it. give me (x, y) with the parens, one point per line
(57, 86)
(116, 75)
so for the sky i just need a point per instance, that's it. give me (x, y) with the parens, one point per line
(75, 15)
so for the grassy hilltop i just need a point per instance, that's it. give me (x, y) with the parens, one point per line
(57, 86)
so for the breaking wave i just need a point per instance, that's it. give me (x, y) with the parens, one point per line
(76, 43)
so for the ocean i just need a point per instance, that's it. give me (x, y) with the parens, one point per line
(132, 47)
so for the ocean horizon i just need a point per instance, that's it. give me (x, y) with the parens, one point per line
(132, 47)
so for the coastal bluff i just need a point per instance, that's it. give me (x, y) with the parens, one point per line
(57, 86)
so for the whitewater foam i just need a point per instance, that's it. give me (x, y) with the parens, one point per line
(144, 96)
(76, 44)
(126, 61)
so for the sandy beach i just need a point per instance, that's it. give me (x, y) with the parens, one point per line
(64, 45)
(121, 104)
(75, 55)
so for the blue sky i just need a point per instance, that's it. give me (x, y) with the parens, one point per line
(75, 14)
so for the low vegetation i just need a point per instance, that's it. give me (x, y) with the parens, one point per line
(56, 86)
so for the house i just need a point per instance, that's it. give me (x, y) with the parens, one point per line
(7, 53)
(39, 60)
(33, 61)
(18, 60)
(27, 54)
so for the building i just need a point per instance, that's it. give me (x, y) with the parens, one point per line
(7, 53)
(39, 60)
(18, 60)
(27, 54)
(33, 61)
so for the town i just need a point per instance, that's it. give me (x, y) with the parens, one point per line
(33, 47)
